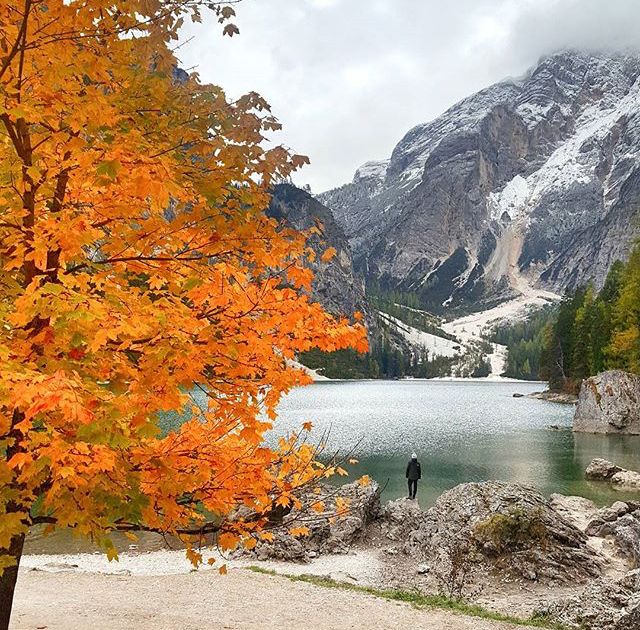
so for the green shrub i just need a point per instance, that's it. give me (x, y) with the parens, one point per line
(517, 529)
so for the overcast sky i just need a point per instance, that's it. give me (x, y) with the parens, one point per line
(347, 78)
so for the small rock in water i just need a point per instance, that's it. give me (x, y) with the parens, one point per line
(601, 469)
(626, 480)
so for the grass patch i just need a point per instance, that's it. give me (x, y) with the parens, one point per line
(417, 599)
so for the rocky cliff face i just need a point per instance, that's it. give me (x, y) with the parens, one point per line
(532, 181)
(336, 286)
(609, 403)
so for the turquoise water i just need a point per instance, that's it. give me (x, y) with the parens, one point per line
(461, 431)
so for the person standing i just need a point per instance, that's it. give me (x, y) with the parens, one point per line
(413, 474)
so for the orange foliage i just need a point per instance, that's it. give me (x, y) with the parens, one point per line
(136, 264)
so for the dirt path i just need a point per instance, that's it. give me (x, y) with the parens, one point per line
(203, 601)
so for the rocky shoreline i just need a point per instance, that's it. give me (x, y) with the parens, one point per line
(499, 544)
(556, 397)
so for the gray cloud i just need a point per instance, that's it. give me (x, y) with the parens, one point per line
(347, 78)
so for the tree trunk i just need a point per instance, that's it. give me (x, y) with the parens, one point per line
(8, 580)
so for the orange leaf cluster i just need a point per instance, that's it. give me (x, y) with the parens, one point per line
(136, 264)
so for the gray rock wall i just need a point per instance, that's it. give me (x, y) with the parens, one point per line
(545, 166)
(609, 403)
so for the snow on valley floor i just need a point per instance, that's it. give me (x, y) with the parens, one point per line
(475, 327)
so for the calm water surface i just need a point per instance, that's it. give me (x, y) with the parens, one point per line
(462, 431)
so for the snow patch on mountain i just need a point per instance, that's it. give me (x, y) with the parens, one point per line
(374, 169)
(510, 200)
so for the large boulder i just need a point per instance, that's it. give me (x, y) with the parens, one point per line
(328, 533)
(513, 529)
(609, 403)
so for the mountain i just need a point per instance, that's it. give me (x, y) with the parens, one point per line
(530, 186)
(397, 335)
(335, 285)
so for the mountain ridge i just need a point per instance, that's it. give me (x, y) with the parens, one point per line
(533, 181)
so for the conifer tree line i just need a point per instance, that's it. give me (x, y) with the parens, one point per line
(525, 341)
(595, 331)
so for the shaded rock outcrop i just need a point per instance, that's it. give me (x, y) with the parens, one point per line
(603, 604)
(335, 285)
(515, 530)
(609, 403)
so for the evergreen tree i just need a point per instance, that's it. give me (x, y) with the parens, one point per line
(581, 342)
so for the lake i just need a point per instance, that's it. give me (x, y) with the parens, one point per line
(461, 430)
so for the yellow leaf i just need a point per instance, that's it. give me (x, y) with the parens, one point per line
(155, 282)
(283, 500)
(223, 570)
(228, 541)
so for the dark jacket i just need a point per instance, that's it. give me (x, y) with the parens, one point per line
(413, 470)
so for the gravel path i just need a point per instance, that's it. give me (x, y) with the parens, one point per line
(206, 600)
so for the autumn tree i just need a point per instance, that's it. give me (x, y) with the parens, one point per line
(136, 264)
(624, 350)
